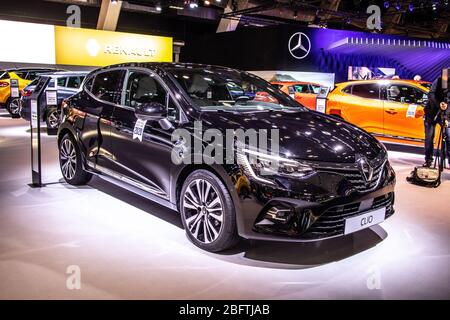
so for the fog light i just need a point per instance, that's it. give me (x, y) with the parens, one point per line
(279, 214)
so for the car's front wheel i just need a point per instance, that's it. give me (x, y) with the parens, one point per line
(70, 162)
(208, 212)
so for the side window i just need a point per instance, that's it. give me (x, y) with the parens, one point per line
(291, 89)
(405, 94)
(301, 88)
(347, 89)
(143, 88)
(61, 82)
(314, 89)
(74, 82)
(106, 84)
(370, 90)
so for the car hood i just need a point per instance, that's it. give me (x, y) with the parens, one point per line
(303, 135)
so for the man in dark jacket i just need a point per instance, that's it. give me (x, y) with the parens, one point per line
(435, 112)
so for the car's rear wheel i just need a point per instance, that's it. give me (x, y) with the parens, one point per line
(208, 212)
(13, 107)
(52, 118)
(70, 162)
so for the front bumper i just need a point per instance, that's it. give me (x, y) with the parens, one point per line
(312, 209)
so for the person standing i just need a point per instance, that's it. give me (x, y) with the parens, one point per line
(435, 109)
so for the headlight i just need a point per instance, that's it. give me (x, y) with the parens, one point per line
(264, 167)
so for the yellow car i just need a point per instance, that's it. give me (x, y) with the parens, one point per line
(389, 109)
(24, 77)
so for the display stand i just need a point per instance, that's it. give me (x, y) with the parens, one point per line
(35, 130)
(321, 99)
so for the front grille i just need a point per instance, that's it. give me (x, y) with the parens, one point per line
(355, 177)
(332, 221)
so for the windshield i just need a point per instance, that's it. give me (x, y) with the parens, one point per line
(227, 89)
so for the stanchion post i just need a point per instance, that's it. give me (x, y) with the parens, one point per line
(35, 131)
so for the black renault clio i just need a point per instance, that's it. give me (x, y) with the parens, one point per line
(331, 178)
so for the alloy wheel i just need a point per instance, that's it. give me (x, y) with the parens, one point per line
(53, 119)
(68, 159)
(203, 211)
(14, 106)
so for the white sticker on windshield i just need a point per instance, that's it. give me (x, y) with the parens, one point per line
(208, 95)
(411, 113)
(138, 131)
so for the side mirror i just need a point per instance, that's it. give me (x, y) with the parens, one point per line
(151, 111)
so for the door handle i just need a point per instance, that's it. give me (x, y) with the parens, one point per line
(391, 111)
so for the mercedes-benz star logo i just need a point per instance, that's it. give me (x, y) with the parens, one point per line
(365, 168)
(299, 45)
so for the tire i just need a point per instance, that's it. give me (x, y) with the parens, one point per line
(13, 107)
(196, 215)
(52, 118)
(70, 162)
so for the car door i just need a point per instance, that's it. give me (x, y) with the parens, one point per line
(361, 105)
(144, 157)
(403, 111)
(305, 95)
(97, 101)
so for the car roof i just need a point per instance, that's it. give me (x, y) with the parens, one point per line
(66, 73)
(399, 81)
(293, 82)
(32, 69)
(163, 65)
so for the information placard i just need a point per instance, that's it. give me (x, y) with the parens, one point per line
(321, 105)
(14, 87)
(51, 97)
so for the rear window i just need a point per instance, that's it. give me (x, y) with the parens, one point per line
(4, 75)
(34, 82)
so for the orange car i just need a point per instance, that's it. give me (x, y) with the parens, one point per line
(390, 109)
(303, 92)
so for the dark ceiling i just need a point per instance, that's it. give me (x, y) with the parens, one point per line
(416, 18)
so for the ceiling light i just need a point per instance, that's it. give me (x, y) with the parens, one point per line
(207, 3)
(192, 3)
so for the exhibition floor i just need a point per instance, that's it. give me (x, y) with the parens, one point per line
(129, 248)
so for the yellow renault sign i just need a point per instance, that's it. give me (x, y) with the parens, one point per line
(86, 47)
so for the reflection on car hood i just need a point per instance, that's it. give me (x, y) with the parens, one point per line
(303, 135)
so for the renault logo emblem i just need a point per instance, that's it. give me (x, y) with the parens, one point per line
(299, 45)
(365, 168)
